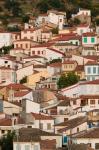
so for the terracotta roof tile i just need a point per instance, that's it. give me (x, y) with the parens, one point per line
(41, 116)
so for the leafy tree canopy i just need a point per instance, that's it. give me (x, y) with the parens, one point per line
(67, 80)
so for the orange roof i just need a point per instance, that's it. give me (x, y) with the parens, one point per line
(21, 94)
(89, 96)
(69, 62)
(58, 64)
(5, 122)
(17, 86)
(92, 63)
(91, 82)
(41, 117)
(89, 34)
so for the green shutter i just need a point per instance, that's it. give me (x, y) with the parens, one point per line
(92, 40)
(85, 39)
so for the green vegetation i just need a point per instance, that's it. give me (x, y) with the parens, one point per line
(5, 49)
(12, 9)
(55, 60)
(67, 80)
(6, 142)
(24, 80)
(55, 30)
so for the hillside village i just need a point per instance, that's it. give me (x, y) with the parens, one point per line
(49, 83)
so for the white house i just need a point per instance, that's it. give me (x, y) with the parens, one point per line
(57, 18)
(82, 88)
(24, 72)
(33, 34)
(82, 28)
(48, 53)
(29, 106)
(41, 121)
(82, 12)
(92, 70)
(5, 39)
(90, 137)
(89, 39)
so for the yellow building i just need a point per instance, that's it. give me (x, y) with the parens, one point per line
(36, 77)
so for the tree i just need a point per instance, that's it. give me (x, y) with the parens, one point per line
(23, 80)
(6, 142)
(97, 22)
(56, 60)
(55, 30)
(6, 49)
(67, 80)
(25, 19)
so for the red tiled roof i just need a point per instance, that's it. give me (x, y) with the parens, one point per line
(41, 117)
(89, 34)
(89, 96)
(92, 63)
(55, 50)
(91, 82)
(91, 57)
(21, 94)
(43, 45)
(5, 122)
(69, 62)
(58, 64)
(18, 86)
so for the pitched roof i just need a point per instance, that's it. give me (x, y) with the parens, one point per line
(41, 116)
(92, 133)
(89, 96)
(69, 62)
(17, 86)
(89, 34)
(90, 82)
(5, 122)
(21, 93)
(92, 63)
(32, 134)
(57, 64)
(71, 123)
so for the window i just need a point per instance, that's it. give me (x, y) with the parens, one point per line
(89, 144)
(92, 102)
(76, 43)
(96, 146)
(48, 126)
(88, 70)
(2, 131)
(92, 40)
(85, 39)
(74, 102)
(81, 31)
(35, 147)
(38, 52)
(27, 147)
(26, 45)
(77, 129)
(65, 139)
(61, 112)
(94, 69)
(6, 62)
(60, 20)
(33, 52)
(41, 126)
(18, 147)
